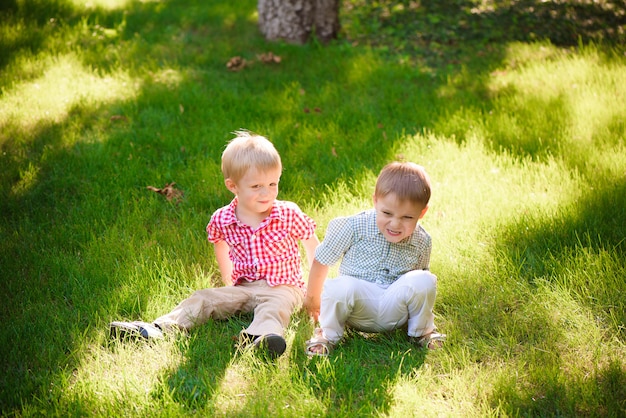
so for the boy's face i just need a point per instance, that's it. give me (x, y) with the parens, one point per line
(397, 219)
(256, 190)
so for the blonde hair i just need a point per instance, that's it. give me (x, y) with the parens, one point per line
(408, 181)
(248, 150)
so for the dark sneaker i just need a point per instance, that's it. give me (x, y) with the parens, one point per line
(273, 344)
(135, 329)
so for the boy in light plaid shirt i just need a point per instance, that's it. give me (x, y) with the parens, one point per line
(255, 239)
(383, 282)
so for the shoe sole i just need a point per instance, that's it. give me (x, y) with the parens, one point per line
(275, 345)
(133, 330)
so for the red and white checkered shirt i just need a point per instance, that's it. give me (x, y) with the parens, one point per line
(270, 252)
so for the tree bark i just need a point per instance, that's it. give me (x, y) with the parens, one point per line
(297, 20)
(326, 19)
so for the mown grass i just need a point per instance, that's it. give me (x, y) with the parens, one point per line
(522, 132)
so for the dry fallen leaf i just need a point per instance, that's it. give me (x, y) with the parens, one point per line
(117, 117)
(169, 191)
(269, 58)
(236, 64)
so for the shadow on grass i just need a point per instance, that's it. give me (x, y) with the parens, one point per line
(358, 378)
(578, 255)
(593, 225)
(549, 392)
(207, 357)
(441, 32)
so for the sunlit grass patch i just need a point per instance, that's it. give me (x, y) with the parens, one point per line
(104, 4)
(64, 84)
(575, 111)
(250, 381)
(433, 392)
(120, 376)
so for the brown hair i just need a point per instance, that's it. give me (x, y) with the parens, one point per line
(248, 150)
(408, 181)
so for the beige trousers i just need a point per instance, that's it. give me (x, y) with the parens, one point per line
(272, 307)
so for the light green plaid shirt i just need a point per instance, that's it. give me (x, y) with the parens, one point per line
(367, 255)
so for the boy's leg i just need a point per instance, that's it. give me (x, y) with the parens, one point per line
(410, 299)
(272, 314)
(347, 300)
(273, 307)
(217, 303)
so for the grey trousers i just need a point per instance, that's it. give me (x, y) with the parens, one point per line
(371, 307)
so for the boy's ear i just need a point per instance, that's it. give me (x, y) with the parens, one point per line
(230, 185)
(423, 212)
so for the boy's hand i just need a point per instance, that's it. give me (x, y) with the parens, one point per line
(312, 306)
(313, 298)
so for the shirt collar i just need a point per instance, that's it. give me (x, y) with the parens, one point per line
(230, 215)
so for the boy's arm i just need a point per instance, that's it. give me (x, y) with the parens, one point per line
(317, 276)
(309, 248)
(223, 262)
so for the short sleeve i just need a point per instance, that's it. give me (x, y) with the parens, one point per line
(424, 248)
(302, 226)
(214, 232)
(339, 238)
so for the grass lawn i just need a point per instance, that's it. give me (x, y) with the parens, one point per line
(516, 109)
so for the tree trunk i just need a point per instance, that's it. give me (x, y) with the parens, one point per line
(326, 19)
(296, 20)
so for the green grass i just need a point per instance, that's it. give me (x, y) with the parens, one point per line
(517, 116)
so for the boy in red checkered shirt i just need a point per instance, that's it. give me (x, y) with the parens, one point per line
(255, 239)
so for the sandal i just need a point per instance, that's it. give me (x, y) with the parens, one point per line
(324, 346)
(432, 341)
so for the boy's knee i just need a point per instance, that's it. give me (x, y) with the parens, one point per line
(340, 288)
(421, 280)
